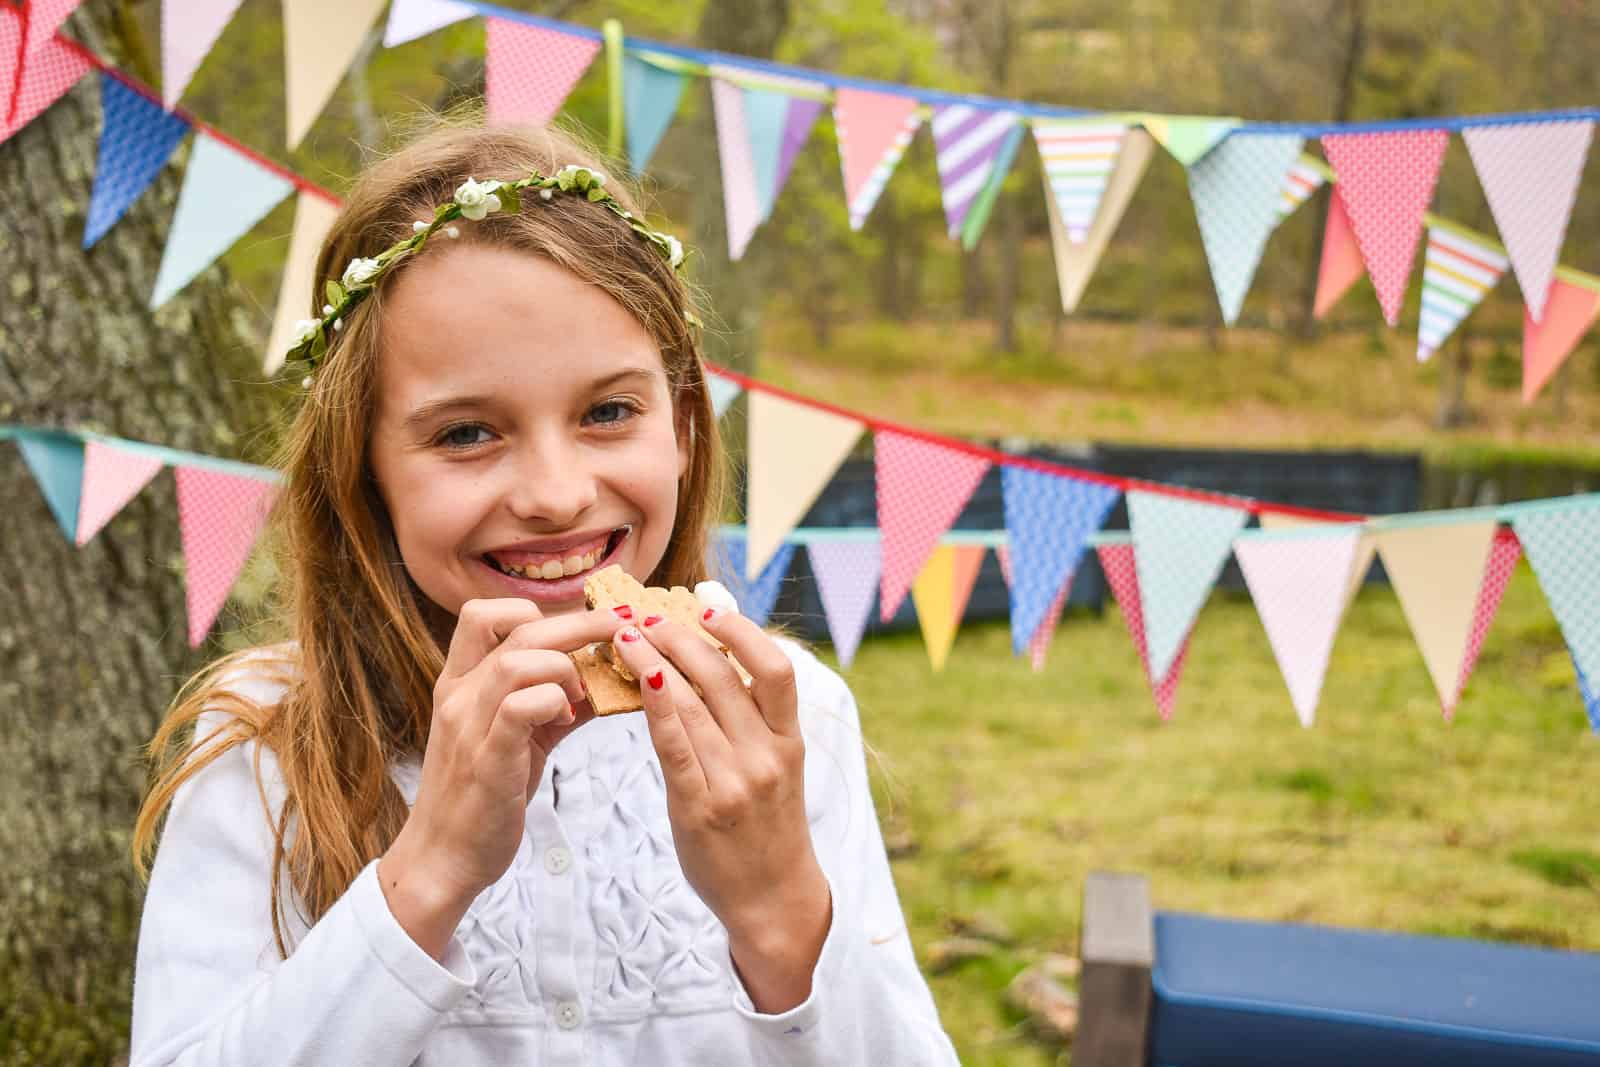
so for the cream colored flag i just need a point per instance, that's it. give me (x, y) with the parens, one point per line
(313, 217)
(1359, 565)
(1075, 263)
(1437, 570)
(794, 450)
(319, 41)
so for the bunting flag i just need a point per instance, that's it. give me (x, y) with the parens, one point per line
(1361, 560)
(940, 592)
(779, 124)
(188, 30)
(410, 19)
(1386, 181)
(922, 488)
(112, 477)
(40, 77)
(724, 391)
(1457, 271)
(136, 139)
(967, 145)
(1341, 265)
(319, 41)
(847, 576)
(1236, 189)
(1180, 546)
(1437, 572)
(56, 461)
(1503, 556)
(1049, 519)
(1122, 575)
(44, 18)
(1530, 172)
(1590, 695)
(1298, 580)
(1562, 540)
(219, 518)
(1302, 180)
(1039, 643)
(1075, 261)
(1078, 158)
(650, 96)
(1569, 311)
(755, 598)
(313, 218)
(531, 70)
(874, 129)
(224, 193)
(739, 199)
(783, 480)
(1188, 138)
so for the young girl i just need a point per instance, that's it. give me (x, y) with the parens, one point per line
(402, 836)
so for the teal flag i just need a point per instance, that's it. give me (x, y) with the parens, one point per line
(1179, 547)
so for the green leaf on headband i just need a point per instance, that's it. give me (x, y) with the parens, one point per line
(509, 200)
(335, 293)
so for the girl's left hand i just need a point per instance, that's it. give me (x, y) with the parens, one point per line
(734, 763)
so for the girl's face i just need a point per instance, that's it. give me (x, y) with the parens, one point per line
(525, 432)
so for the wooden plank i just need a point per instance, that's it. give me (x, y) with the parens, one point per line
(1118, 950)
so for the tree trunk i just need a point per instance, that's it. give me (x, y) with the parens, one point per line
(93, 639)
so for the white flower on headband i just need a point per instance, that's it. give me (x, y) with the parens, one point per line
(305, 330)
(359, 273)
(676, 247)
(477, 199)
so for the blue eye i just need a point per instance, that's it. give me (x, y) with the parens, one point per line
(612, 412)
(450, 437)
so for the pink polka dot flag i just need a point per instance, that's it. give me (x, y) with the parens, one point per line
(1386, 181)
(1123, 577)
(1503, 556)
(530, 70)
(111, 478)
(43, 76)
(219, 517)
(922, 487)
(44, 18)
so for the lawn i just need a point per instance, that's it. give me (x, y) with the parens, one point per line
(1014, 786)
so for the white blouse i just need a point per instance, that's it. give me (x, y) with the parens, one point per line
(592, 949)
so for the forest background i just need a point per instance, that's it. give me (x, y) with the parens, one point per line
(897, 321)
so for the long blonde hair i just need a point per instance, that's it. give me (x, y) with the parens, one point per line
(365, 652)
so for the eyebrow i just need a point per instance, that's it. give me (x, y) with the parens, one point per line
(432, 409)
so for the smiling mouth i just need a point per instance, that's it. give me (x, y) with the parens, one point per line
(553, 570)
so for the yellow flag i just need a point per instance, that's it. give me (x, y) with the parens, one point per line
(940, 592)
(313, 216)
(794, 450)
(1436, 571)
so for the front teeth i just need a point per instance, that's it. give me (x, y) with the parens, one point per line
(552, 569)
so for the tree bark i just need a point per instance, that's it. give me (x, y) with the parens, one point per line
(94, 638)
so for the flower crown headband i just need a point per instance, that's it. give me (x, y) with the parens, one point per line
(473, 201)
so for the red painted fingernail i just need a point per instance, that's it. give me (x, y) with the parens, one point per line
(623, 611)
(629, 634)
(708, 613)
(651, 620)
(656, 680)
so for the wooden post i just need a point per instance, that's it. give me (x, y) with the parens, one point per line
(1118, 951)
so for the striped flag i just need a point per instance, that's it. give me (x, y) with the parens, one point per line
(1078, 159)
(967, 143)
(874, 130)
(1457, 272)
(1302, 180)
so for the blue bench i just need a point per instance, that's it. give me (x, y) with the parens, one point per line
(1229, 993)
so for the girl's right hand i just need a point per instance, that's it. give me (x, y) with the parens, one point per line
(507, 695)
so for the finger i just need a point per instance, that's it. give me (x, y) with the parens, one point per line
(518, 715)
(509, 669)
(772, 682)
(709, 671)
(691, 745)
(481, 626)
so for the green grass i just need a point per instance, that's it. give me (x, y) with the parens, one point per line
(1015, 785)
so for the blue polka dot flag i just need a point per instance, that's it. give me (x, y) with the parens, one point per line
(1562, 540)
(1237, 187)
(137, 137)
(755, 598)
(1591, 697)
(1049, 519)
(1179, 547)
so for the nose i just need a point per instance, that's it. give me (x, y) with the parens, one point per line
(551, 482)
